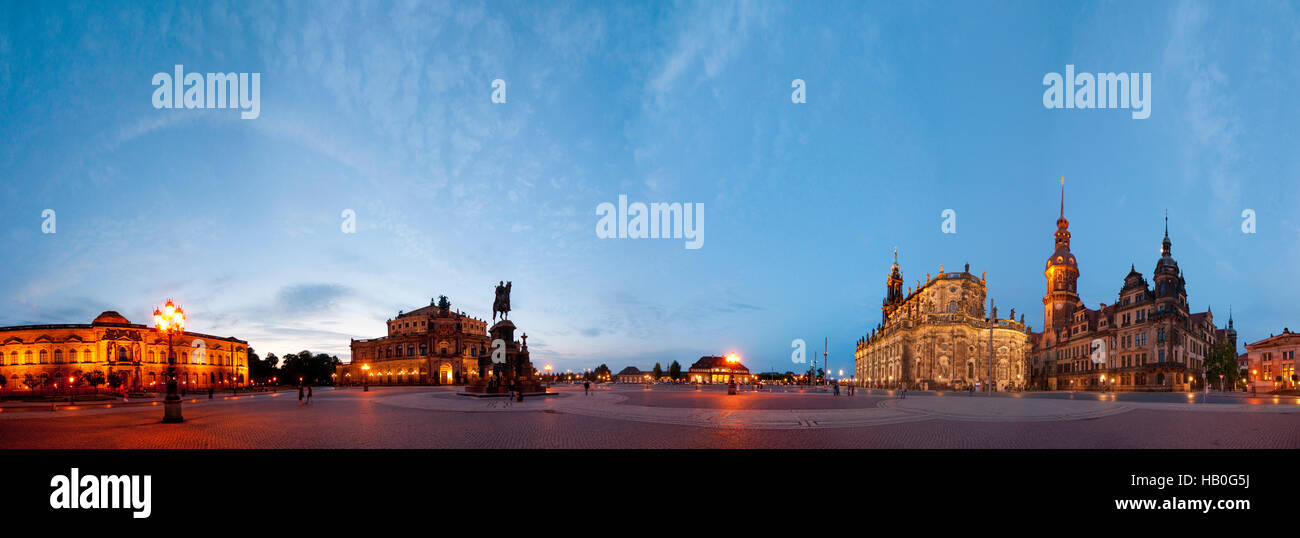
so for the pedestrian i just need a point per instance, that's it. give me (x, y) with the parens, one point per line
(300, 395)
(308, 394)
(210, 392)
(586, 388)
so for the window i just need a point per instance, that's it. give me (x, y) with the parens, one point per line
(58, 356)
(72, 355)
(1161, 356)
(45, 357)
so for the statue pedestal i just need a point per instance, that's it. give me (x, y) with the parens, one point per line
(495, 378)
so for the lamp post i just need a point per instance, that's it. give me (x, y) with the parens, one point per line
(170, 319)
(365, 378)
(732, 359)
(72, 394)
(548, 377)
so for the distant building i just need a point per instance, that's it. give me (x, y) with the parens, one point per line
(430, 345)
(632, 374)
(113, 345)
(714, 369)
(1272, 361)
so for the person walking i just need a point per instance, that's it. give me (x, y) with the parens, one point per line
(210, 392)
(308, 394)
(586, 388)
(300, 395)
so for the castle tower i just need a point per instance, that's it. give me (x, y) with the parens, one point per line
(1062, 274)
(893, 292)
(1170, 287)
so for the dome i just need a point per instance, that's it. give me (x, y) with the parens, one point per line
(1062, 257)
(110, 316)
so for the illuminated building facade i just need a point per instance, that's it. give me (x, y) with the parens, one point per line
(937, 336)
(1271, 362)
(632, 374)
(110, 345)
(715, 369)
(1148, 340)
(432, 346)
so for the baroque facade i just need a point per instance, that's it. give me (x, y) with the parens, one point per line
(430, 345)
(937, 336)
(1147, 340)
(111, 344)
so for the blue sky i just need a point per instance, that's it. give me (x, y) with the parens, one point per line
(384, 108)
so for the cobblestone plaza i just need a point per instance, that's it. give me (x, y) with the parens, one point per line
(672, 417)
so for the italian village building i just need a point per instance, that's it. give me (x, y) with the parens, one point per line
(1148, 340)
(937, 337)
(113, 345)
(714, 369)
(431, 346)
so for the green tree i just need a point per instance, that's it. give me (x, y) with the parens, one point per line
(1222, 360)
(115, 380)
(675, 370)
(658, 371)
(95, 379)
(3, 381)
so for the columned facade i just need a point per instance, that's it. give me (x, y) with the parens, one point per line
(938, 337)
(134, 354)
(429, 346)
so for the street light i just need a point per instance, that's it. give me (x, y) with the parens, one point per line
(365, 378)
(732, 358)
(170, 319)
(548, 376)
(72, 394)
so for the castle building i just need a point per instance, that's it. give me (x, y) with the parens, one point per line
(112, 345)
(1147, 340)
(938, 336)
(429, 345)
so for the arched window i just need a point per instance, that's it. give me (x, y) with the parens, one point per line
(58, 356)
(45, 357)
(410, 350)
(952, 307)
(72, 355)
(86, 356)
(27, 357)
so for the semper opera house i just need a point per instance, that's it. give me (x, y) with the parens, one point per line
(429, 345)
(112, 344)
(937, 336)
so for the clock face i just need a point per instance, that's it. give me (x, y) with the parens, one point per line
(1098, 351)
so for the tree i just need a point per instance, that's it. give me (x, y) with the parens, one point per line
(601, 371)
(1222, 360)
(115, 380)
(675, 370)
(95, 379)
(2, 382)
(658, 372)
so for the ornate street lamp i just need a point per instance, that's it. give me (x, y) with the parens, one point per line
(170, 319)
(365, 375)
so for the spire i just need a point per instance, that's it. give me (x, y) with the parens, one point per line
(1062, 225)
(1164, 245)
(1229, 317)
(1062, 197)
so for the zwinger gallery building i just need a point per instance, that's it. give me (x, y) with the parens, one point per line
(111, 344)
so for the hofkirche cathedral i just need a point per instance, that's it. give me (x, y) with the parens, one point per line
(938, 335)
